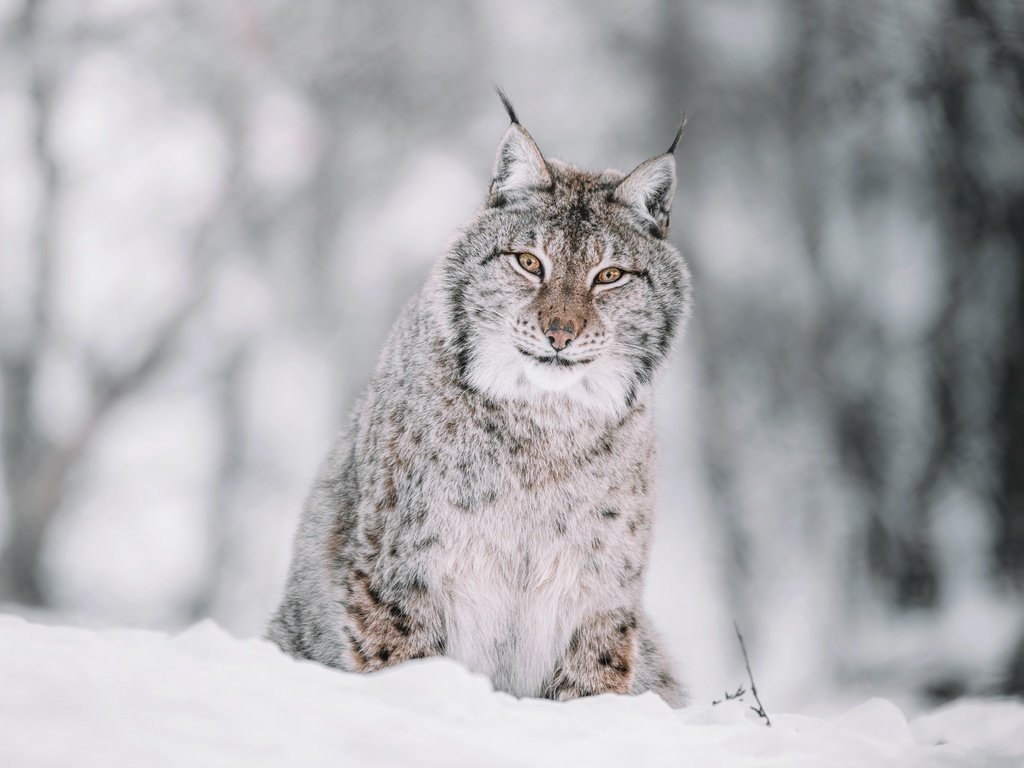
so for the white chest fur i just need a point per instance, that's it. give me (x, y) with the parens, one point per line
(515, 596)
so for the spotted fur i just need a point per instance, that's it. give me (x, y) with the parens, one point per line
(492, 498)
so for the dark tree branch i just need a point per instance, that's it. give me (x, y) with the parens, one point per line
(759, 709)
(738, 694)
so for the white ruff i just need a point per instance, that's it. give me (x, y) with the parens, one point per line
(500, 370)
(551, 378)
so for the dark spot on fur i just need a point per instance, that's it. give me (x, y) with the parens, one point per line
(421, 512)
(390, 498)
(604, 659)
(373, 533)
(630, 572)
(357, 649)
(384, 654)
(603, 447)
(374, 595)
(358, 614)
(425, 543)
(490, 256)
(574, 642)
(631, 396)
(461, 323)
(403, 627)
(336, 538)
(609, 513)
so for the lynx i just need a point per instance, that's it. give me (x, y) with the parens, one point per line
(492, 498)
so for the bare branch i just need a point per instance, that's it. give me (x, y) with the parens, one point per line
(759, 709)
(739, 694)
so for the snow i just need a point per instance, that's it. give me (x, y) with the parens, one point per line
(81, 697)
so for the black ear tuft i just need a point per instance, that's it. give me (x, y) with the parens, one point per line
(508, 105)
(679, 135)
(519, 166)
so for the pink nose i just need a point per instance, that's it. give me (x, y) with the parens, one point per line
(560, 334)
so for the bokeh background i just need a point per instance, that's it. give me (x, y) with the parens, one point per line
(211, 213)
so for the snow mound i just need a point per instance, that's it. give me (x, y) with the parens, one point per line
(134, 698)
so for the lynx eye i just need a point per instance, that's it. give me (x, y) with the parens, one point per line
(530, 263)
(608, 275)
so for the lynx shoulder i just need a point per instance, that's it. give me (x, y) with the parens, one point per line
(491, 500)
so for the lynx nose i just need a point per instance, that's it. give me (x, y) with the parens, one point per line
(560, 333)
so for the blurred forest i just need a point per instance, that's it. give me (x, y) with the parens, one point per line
(211, 213)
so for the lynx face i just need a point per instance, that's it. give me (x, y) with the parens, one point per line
(564, 285)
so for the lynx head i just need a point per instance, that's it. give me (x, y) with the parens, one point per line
(564, 285)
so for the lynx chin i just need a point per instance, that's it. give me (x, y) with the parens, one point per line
(491, 500)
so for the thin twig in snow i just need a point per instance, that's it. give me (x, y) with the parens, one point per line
(740, 692)
(759, 709)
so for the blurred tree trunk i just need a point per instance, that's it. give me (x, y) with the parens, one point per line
(819, 98)
(983, 223)
(1007, 229)
(36, 468)
(221, 531)
(983, 219)
(23, 443)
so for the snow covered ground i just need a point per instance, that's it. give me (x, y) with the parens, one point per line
(77, 697)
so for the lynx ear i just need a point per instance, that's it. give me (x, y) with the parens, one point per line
(649, 190)
(519, 165)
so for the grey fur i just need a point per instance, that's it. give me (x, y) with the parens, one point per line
(492, 500)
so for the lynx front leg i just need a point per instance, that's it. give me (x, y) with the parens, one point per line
(386, 628)
(601, 658)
